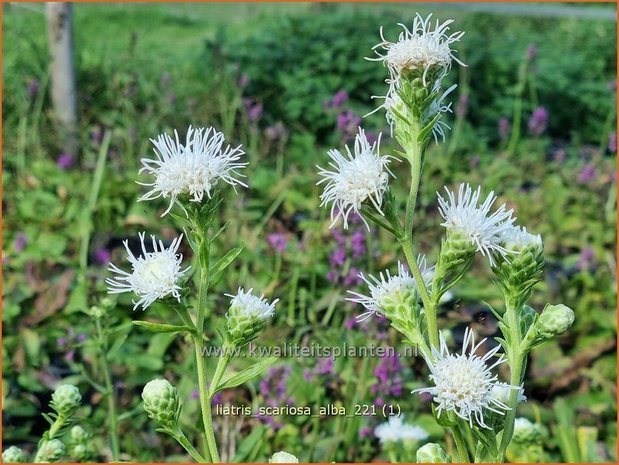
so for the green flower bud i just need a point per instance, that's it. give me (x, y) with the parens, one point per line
(66, 399)
(554, 320)
(455, 258)
(432, 453)
(247, 317)
(522, 267)
(13, 455)
(161, 402)
(80, 452)
(526, 432)
(79, 435)
(50, 451)
(283, 457)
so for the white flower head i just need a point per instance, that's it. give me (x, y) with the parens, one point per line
(192, 169)
(355, 178)
(517, 238)
(387, 287)
(394, 431)
(463, 383)
(422, 48)
(464, 214)
(154, 275)
(250, 305)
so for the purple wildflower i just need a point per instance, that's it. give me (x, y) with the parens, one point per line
(33, 88)
(324, 366)
(337, 257)
(538, 121)
(505, 128)
(339, 98)
(278, 241)
(61, 341)
(365, 432)
(612, 142)
(103, 256)
(65, 161)
(389, 380)
(357, 243)
(347, 123)
(81, 338)
(586, 259)
(559, 155)
(243, 81)
(587, 174)
(275, 132)
(21, 240)
(353, 279)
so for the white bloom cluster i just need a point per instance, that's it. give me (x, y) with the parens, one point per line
(464, 383)
(394, 431)
(517, 238)
(154, 275)
(388, 287)
(252, 305)
(355, 178)
(192, 169)
(420, 48)
(464, 214)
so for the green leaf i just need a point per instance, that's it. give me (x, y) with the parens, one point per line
(224, 262)
(246, 374)
(161, 328)
(248, 445)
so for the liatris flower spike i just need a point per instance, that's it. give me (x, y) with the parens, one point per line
(463, 383)
(50, 451)
(247, 317)
(154, 275)
(355, 179)
(13, 455)
(432, 453)
(192, 170)
(283, 457)
(161, 403)
(421, 52)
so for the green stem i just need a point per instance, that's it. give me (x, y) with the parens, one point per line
(460, 444)
(109, 390)
(183, 441)
(205, 401)
(516, 356)
(522, 76)
(430, 308)
(59, 423)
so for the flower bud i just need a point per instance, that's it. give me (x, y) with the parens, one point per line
(554, 320)
(521, 268)
(79, 435)
(247, 317)
(527, 432)
(432, 453)
(50, 451)
(66, 399)
(13, 455)
(456, 255)
(161, 402)
(80, 452)
(283, 457)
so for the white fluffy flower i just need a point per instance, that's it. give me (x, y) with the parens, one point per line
(394, 431)
(154, 275)
(389, 287)
(463, 383)
(464, 214)
(517, 238)
(355, 178)
(252, 305)
(422, 48)
(192, 169)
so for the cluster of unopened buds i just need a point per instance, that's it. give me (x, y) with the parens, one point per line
(468, 397)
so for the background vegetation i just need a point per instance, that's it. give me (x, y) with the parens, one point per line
(267, 75)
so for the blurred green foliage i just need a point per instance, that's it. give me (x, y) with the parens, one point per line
(145, 71)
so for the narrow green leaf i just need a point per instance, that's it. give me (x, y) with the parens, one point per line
(246, 374)
(161, 327)
(224, 262)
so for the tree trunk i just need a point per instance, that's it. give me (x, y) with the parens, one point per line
(63, 91)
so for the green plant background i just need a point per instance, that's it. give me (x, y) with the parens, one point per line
(144, 69)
